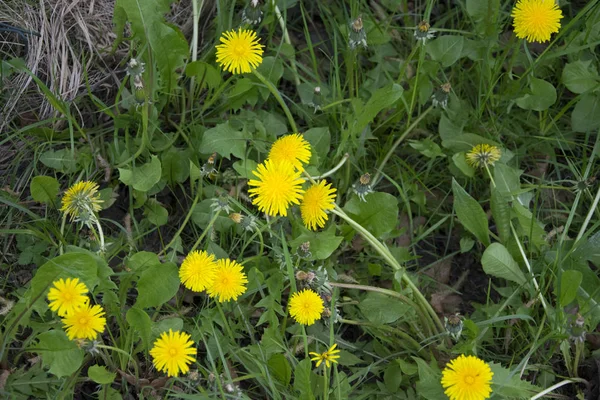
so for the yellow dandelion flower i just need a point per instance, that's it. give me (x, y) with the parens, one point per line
(85, 322)
(317, 199)
(66, 295)
(197, 270)
(306, 307)
(483, 155)
(173, 352)
(292, 148)
(329, 356)
(467, 378)
(239, 52)
(230, 281)
(536, 20)
(278, 185)
(81, 200)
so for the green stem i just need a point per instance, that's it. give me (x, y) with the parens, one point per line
(305, 338)
(208, 228)
(554, 387)
(333, 170)
(286, 38)
(325, 383)
(225, 322)
(279, 99)
(62, 233)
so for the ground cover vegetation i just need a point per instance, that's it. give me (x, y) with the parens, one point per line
(292, 199)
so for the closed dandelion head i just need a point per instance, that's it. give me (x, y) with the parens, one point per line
(81, 201)
(252, 13)
(440, 96)
(135, 67)
(278, 186)
(317, 199)
(424, 32)
(230, 281)
(66, 295)
(467, 378)
(248, 223)
(85, 322)
(236, 217)
(363, 186)
(454, 326)
(197, 271)
(357, 35)
(536, 20)
(306, 307)
(483, 155)
(173, 352)
(239, 52)
(221, 203)
(291, 148)
(330, 356)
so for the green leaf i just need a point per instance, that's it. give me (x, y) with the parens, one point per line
(530, 226)
(379, 214)
(280, 368)
(590, 249)
(44, 189)
(507, 180)
(272, 69)
(203, 213)
(382, 309)
(460, 162)
(59, 353)
(205, 74)
(175, 166)
(427, 147)
(446, 49)
(322, 244)
(60, 160)
(101, 375)
(175, 324)
(429, 386)
(381, 99)
(580, 76)
(508, 385)
(157, 285)
(569, 284)
(319, 139)
(245, 168)
(302, 382)
(156, 213)
(586, 114)
(498, 262)
(470, 214)
(392, 377)
(140, 321)
(542, 95)
(225, 140)
(142, 260)
(501, 214)
(465, 141)
(144, 177)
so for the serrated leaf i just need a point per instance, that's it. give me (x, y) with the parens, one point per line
(44, 189)
(508, 385)
(498, 262)
(157, 285)
(225, 140)
(59, 353)
(542, 94)
(378, 214)
(470, 214)
(101, 375)
(142, 178)
(429, 386)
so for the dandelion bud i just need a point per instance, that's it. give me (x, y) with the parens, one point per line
(252, 14)
(440, 96)
(357, 36)
(423, 32)
(363, 186)
(454, 326)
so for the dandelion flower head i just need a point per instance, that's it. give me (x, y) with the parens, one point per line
(85, 322)
(230, 281)
(239, 52)
(306, 307)
(81, 199)
(329, 356)
(536, 20)
(292, 148)
(66, 295)
(483, 155)
(278, 185)
(197, 271)
(173, 352)
(317, 199)
(467, 378)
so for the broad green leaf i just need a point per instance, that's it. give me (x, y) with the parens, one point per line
(446, 49)
(245, 168)
(205, 74)
(175, 324)
(378, 214)
(60, 160)
(322, 243)
(44, 189)
(101, 375)
(501, 214)
(225, 140)
(142, 178)
(507, 180)
(569, 284)
(460, 162)
(429, 386)
(580, 76)
(319, 139)
(465, 142)
(590, 249)
(203, 213)
(272, 69)
(157, 285)
(427, 147)
(541, 96)
(470, 214)
(142, 260)
(498, 262)
(59, 353)
(156, 213)
(175, 166)
(530, 226)
(280, 368)
(302, 382)
(392, 377)
(381, 99)
(382, 309)
(586, 114)
(140, 321)
(508, 385)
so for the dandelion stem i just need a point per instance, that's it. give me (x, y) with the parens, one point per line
(554, 387)
(278, 97)
(206, 230)
(333, 170)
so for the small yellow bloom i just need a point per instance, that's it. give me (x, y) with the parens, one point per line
(278, 185)
(317, 199)
(536, 20)
(173, 352)
(306, 307)
(239, 52)
(467, 378)
(85, 322)
(81, 200)
(197, 271)
(483, 155)
(292, 148)
(230, 281)
(329, 356)
(66, 296)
